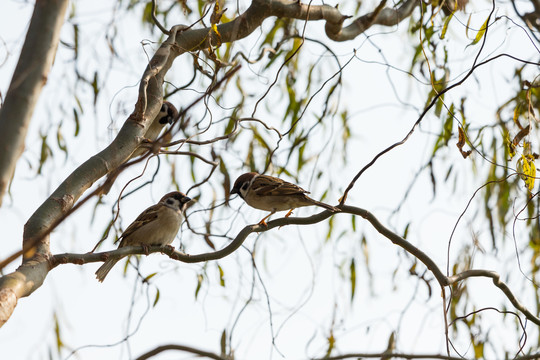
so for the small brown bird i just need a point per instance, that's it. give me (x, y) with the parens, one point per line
(166, 115)
(157, 225)
(273, 194)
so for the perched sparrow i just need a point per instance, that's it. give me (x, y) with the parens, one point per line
(166, 115)
(273, 194)
(157, 225)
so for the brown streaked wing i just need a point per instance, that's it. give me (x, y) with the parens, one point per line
(272, 186)
(144, 218)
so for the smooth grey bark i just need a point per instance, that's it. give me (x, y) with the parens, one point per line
(35, 62)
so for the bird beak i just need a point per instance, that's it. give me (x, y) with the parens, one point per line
(186, 200)
(234, 191)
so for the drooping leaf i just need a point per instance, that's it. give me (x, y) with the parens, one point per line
(223, 343)
(147, 13)
(331, 343)
(481, 32)
(461, 143)
(95, 87)
(527, 168)
(200, 279)
(352, 269)
(226, 178)
(45, 152)
(150, 276)
(330, 228)
(221, 276)
(58, 337)
(77, 122)
(406, 231)
(60, 141)
(156, 299)
(445, 26)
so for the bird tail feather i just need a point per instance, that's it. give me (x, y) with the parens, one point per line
(105, 268)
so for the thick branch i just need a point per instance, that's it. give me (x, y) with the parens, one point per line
(249, 21)
(30, 75)
(31, 274)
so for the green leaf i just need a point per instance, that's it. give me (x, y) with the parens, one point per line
(352, 269)
(150, 276)
(221, 276)
(406, 232)
(147, 13)
(200, 279)
(478, 349)
(61, 142)
(331, 343)
(223, 342)
(353, 222)
(226, 177)
(45, 152)
(59, 342)
(481, 32)
(527, 168)
(95, 87)
(330, 228)
(445, 26)
(156, 298)
(77, 122)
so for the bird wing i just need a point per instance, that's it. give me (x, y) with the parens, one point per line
(144, 218)
(265, 185)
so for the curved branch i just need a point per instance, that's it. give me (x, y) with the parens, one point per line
(397, 355)
(496, 278)
(188, 349)
(247, 230)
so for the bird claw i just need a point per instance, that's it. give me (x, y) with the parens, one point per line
(170, 247)
(146, 249)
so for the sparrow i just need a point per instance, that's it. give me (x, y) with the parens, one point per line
(157, 225)
(166, 115)
(273, 194)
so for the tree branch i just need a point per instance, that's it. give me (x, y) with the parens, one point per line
(188, 349)
(396, 355)
(36, 251)
(35, 62)
(443, 280)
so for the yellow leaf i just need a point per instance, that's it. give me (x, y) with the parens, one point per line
(481, 32)
(528, 171)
